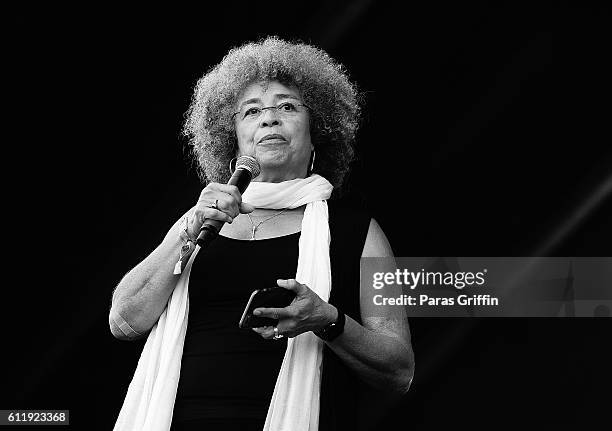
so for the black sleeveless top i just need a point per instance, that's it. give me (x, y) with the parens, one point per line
(228, 374)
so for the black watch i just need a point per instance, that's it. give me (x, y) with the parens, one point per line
(333, 330)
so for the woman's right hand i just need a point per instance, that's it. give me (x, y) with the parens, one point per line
(229, 204)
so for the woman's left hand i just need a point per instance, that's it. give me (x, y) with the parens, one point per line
(307, 312)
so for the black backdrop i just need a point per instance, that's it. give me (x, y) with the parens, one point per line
(486, 133)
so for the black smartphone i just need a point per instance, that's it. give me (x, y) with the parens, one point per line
(272, 297)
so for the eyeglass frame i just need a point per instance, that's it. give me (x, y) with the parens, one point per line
(270, 107)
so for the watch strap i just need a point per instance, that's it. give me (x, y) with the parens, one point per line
(334, 329)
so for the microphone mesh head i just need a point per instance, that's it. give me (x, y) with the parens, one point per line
(249, 163)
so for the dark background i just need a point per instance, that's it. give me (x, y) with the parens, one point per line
(486, 133)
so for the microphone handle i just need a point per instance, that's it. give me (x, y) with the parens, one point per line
(210, 228)
(241, 179)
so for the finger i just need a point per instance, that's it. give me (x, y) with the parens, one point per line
(232, 191)
(246, 208)
(268, 335)
(293, 285)
(211, 191)
(266, 332)
(274, 313)
(228, 205)
(211, 213)
(215, 193)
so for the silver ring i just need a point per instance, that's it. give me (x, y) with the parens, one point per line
(277, 336)
(214, 206)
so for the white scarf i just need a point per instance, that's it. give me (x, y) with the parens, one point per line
(294, 406)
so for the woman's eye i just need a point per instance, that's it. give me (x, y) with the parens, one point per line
(251, 111)
(286, 107)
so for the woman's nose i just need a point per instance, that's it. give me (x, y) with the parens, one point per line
(269, 117)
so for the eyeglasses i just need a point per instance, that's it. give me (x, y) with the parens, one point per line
(283, 110)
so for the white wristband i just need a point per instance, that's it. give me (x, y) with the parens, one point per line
(124, 326)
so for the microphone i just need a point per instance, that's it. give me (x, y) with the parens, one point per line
(247, 168)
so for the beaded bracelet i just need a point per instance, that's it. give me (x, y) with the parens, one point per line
(187, 247)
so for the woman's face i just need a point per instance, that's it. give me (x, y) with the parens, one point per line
(278, 138)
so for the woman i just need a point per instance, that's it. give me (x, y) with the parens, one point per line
(292, 108)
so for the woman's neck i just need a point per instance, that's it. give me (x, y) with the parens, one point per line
(278, 177)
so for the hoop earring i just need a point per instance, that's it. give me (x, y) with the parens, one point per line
(313, 159)
(230, 165)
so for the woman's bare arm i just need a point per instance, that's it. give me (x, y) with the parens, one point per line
(141, 296)
(379, 351)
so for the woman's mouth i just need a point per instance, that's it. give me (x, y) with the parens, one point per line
(273, 138)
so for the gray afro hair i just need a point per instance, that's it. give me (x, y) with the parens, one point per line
(324, 87)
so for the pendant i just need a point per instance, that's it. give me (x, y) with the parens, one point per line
(253, 233)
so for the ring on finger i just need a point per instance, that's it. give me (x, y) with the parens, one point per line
(215, 205)
(277, 336)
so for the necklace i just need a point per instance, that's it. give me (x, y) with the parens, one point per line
(256, 226)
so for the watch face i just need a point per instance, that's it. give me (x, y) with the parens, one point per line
(331, 331)
(326, 329)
